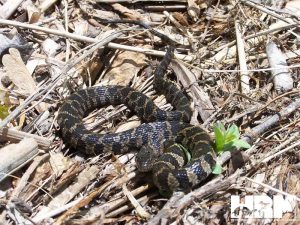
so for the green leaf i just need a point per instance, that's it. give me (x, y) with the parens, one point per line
(217, 169)
(229, 146)
(221, 127)
(4, 111)
(241, 144)
(232, 133)
(219, 131)
(186, 152)
(227, 140)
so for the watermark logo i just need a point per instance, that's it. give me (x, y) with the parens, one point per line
(261, 206)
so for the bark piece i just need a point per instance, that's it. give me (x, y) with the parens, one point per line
(282, 78)
(14, 156)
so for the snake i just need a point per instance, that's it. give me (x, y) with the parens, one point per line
(164, 141)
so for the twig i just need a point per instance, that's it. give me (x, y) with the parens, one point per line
(87, 199)
(209, 22)
(271, 121)
(273, 189)
(141, 212)
(111, 205)
(242, 59)
(164, 7)
(13, 135)
(49, 86)
(275, 154)
(142, 200)
(63, 197)
(23, 181)
(175, 22)
(261, 33)
(261, 107)
(209, 119)
(265, 10)
(56, 211)
(91, 40)
(179, 201)
(66, 17)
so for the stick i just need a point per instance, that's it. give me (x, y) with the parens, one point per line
(13, 135)
(242, 59)
(90, 40)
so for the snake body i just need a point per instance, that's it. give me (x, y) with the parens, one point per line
(156, 139)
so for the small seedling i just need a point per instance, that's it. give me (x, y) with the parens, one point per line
(227, 140)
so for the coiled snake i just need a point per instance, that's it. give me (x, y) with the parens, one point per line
(164, 129)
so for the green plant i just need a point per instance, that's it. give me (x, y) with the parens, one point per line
(227, 140)
(4, 111)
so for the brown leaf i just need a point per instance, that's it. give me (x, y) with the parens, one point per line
(59, 163)
(181, 18)
(18, 73)
(125, 67)
(90, 69)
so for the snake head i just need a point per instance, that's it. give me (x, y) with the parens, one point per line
(145, 158)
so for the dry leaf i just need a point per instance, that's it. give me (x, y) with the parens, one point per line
(91, 68)
(59, 163)
(125, 67)
(128, 125)
(18, 73)
(50, 47)
(130, 14)
(81, 27)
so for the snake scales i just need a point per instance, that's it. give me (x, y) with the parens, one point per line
(157, 139)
